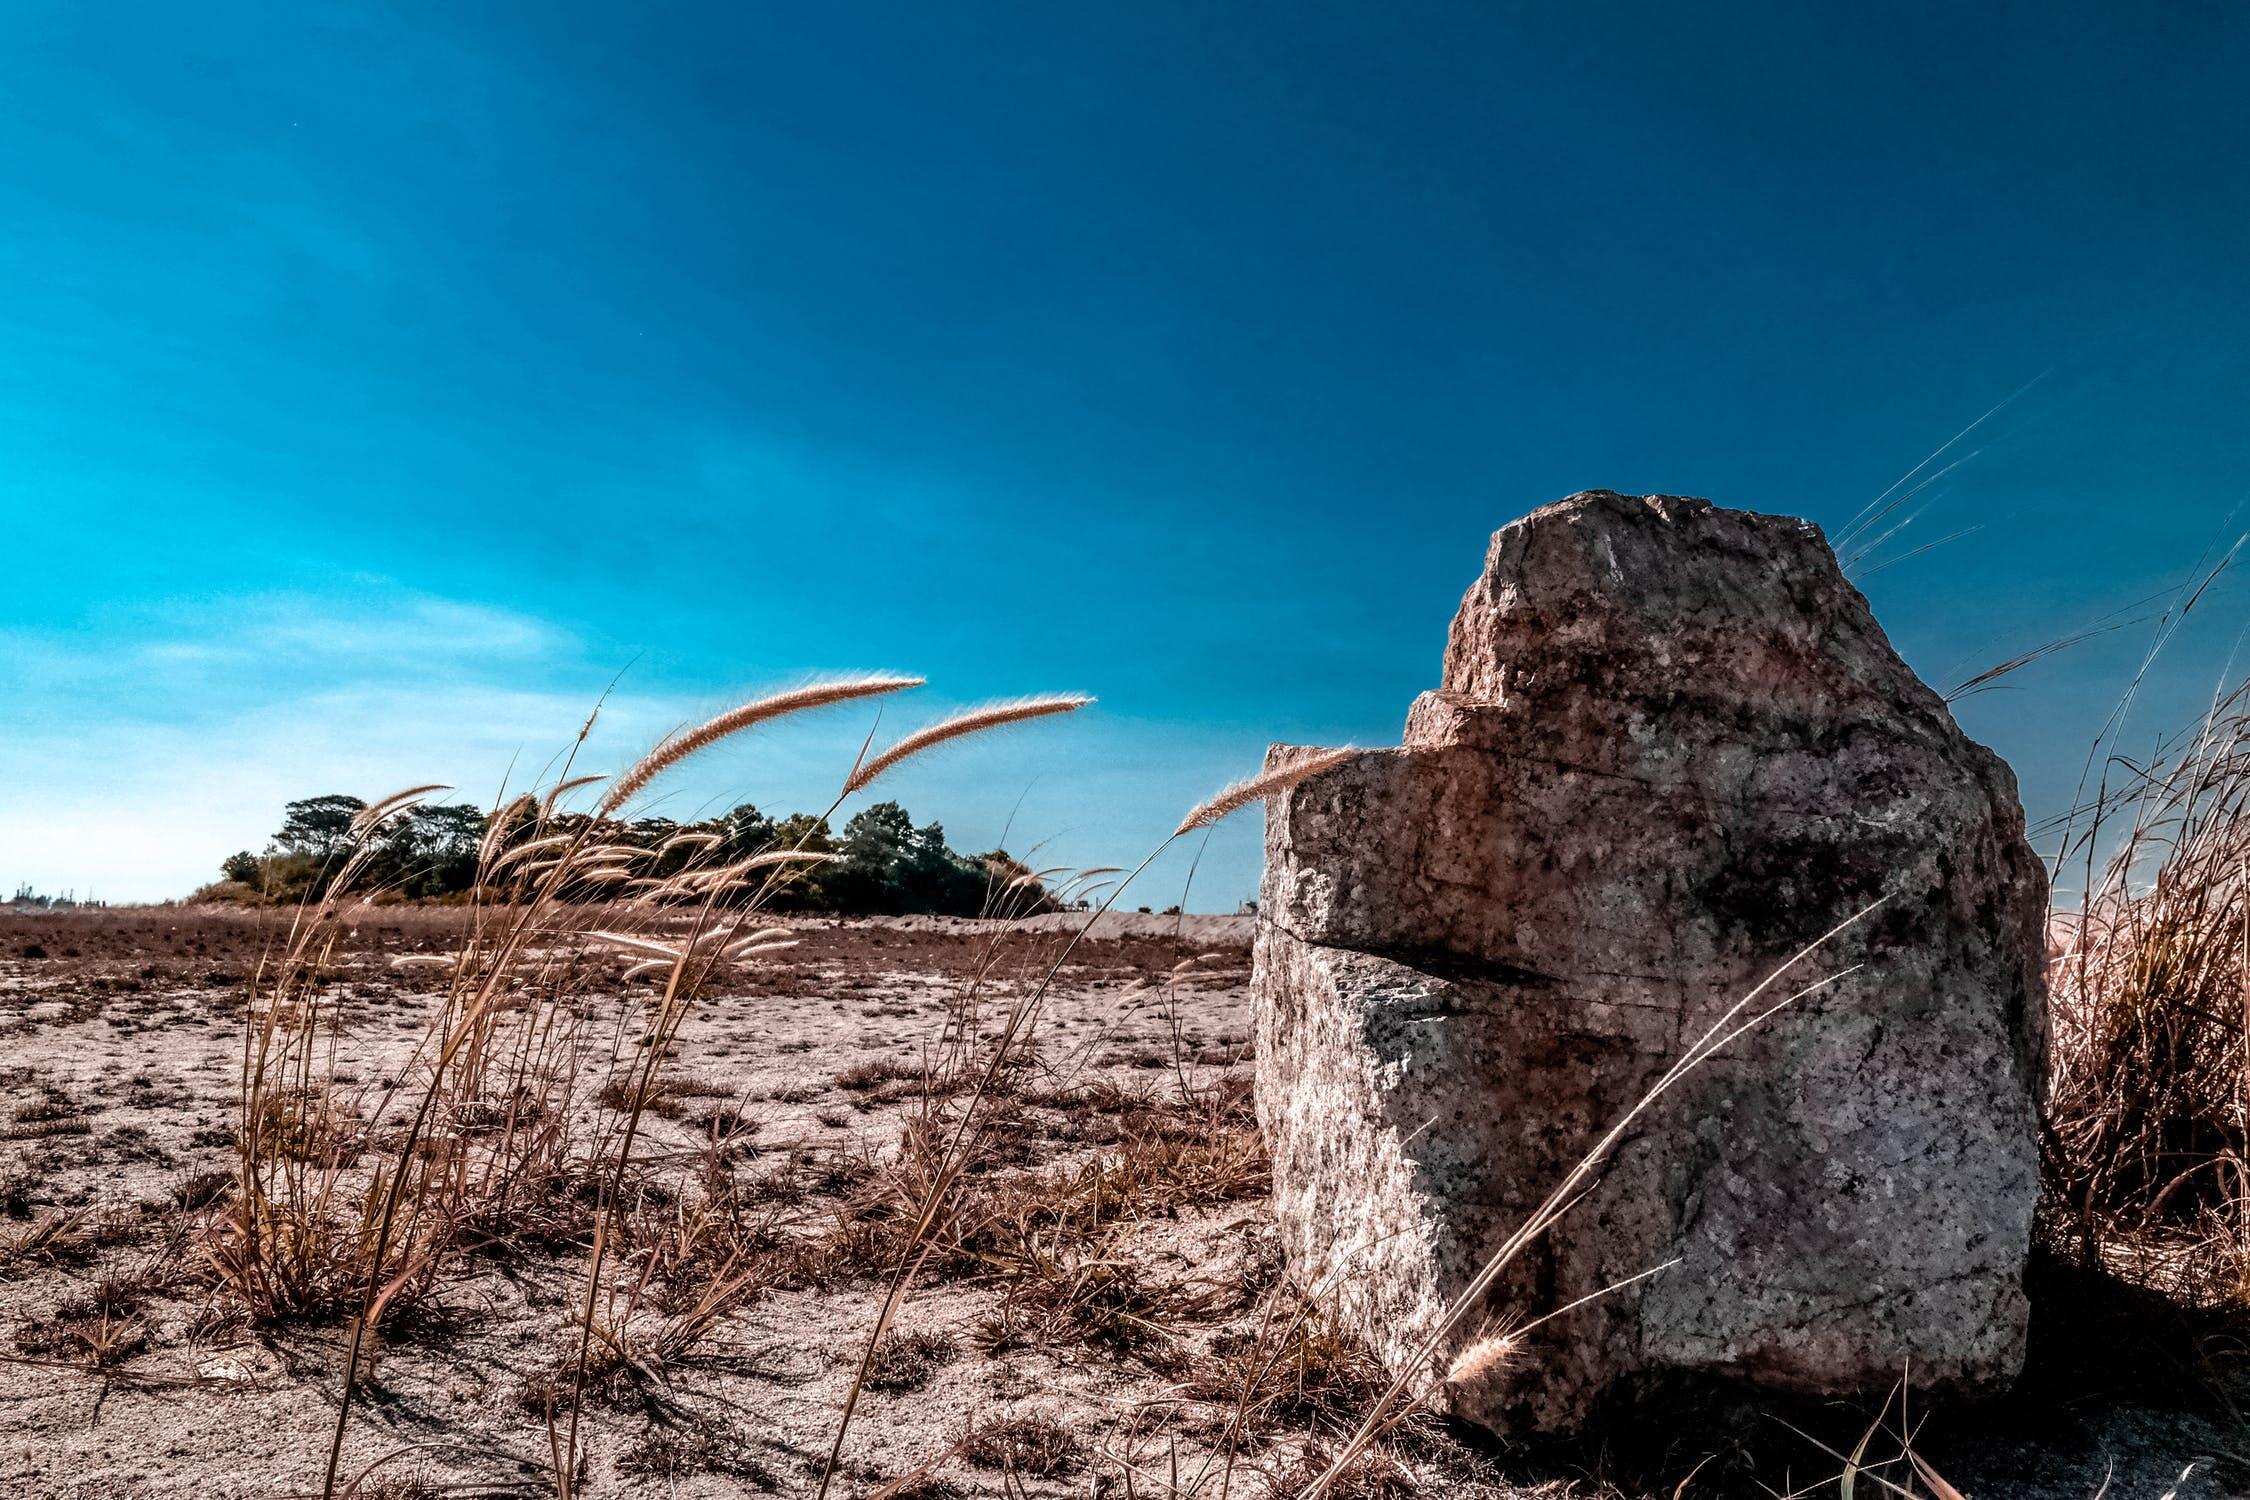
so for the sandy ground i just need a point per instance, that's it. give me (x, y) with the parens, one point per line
(120, 1045)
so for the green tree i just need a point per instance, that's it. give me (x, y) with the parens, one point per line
(431, 850)
(931, 877)
(886, 864)
(744, 832)
(803, 887)
(876, 845)
(890, 866)
(305, 853)
(317, 826)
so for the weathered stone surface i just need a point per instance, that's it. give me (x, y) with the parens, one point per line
(1671, 748)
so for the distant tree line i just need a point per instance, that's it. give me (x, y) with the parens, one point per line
(27, 899)
(886, 864)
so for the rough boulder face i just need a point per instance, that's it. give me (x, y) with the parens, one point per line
(1672, 747)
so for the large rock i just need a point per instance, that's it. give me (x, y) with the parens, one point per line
(1672, 748)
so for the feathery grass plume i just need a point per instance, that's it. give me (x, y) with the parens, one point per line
(598, 864)
(767, 860)
(742, 932)
(532, 846)
(750, 932)
(367, 817)
(974, 721)
(605, 854)
(1235, 798)
(525, 851)
(678, 747)
(496, 829)
(766, 936)
(638, 944)
(560, 790)
(1482, 1358)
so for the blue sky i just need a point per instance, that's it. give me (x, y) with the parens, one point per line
(378, 383)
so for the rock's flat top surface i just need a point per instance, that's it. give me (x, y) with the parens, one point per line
(1670, 748)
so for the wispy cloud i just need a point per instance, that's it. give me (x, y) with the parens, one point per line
(158, 739)
(157, 734)
(382, 626)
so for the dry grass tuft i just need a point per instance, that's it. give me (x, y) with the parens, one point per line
(908, 1361)
(1062, 1289)
(2148, 1147)
(690, 1445)
(58, 1237)
(1296, 1369)
(875, 1073)
(1358, 1474)
(1032, 1443)
(96, 1328)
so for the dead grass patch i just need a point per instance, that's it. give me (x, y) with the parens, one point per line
(1032, 1443)
(909, 1360)
(685, 1446)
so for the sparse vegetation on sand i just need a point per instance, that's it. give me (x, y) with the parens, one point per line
(539, 1194)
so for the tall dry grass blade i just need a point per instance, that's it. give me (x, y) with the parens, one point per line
(1931, 1477)
(1873, 512)
(680, 746)
(1847, 1483)
(1990, 676)
(974, 721)
(1235, 798)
